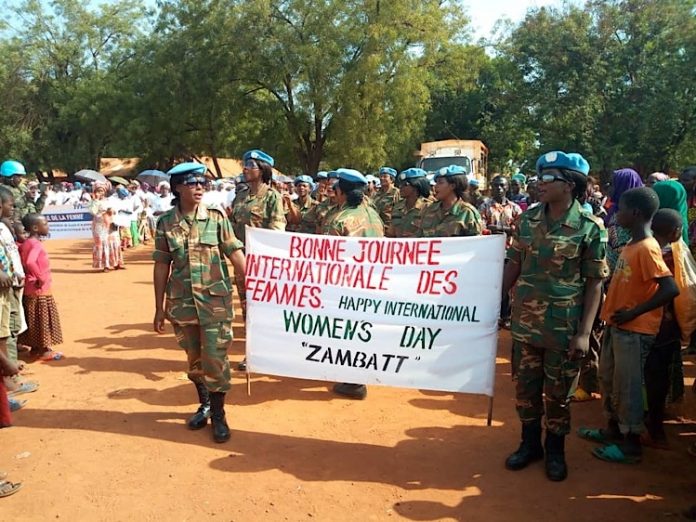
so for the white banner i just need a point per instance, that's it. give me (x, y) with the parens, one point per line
(412, 313)
(68, 222)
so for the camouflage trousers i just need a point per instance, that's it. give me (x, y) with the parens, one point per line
(206, 349)
(545, 381)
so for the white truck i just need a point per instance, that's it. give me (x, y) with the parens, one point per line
(470, 154)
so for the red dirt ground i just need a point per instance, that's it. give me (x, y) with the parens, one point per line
(107, 440)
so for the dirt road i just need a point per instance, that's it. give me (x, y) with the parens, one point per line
(106, 440)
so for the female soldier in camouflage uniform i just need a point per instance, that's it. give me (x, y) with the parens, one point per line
(557, 259)
(261, 206)
(191, 242)
(415, 197)
(451, 215)
(358, 219)
(296, 210)
(387, 196)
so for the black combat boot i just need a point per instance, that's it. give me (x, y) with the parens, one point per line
(353, 391)
(556, 468)
(530, 449)
(199, 419)
(221, 431)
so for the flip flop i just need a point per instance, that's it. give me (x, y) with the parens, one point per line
(17, 405)
(581, 395)
(51, 355)
(8, 488)
(612, 453)
(25, 387)
(594, 434)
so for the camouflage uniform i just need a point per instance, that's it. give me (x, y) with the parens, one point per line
(198, 294)
(407, 222)
(360, 221)
(314, 218)
(556, 259)
(462, 219)
(23, 203)
(384, 201)
(327, 218)
(309, 204)
(261, 210)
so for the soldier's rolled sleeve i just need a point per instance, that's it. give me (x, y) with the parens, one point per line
(161, 253)
(228, 241)
(594, 263)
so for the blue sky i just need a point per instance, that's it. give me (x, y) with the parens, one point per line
(484, 13)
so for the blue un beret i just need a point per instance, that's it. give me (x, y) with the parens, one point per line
(474, 182)
(412, 173)
(258, 155)
(352, 176)
(388, 170)
(452, 170)
(558, 159)
(322, 174)
(190, 167)
(332, 174)
(304, 179)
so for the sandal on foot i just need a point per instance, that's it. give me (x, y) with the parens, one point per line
(595, 434)
(51, 355)
(25, 387)
(613, 453)
(17, 405)
(8, 488)
(581, 395)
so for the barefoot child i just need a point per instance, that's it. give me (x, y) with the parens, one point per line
(43, 322)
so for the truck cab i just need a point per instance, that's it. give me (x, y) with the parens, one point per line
(470, 154)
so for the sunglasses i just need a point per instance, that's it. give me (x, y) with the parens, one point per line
(192, 182)
(550, 178)
(251, 165)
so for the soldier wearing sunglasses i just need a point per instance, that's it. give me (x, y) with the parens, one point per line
(193, 290)
(557, 262)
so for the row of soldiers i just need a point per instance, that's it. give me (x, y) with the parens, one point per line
(406, 205)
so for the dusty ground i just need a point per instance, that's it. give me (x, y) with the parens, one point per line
(106, 438)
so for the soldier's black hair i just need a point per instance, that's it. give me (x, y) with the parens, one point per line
(30, 220)
(175, 181)
(355, 192)
(266, 171)
(666, 221)
(422, 186)
(5, 194)
(580, 180)
(642, 199)
(459, 183)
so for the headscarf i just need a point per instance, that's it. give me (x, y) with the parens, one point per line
(672, 195)
(621, 181)
(520, 177)
(659, 176)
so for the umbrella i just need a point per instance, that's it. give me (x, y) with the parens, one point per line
(90, 175)
(152, 177)
(118, 180)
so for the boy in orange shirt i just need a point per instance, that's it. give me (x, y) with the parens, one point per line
(642, 284)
